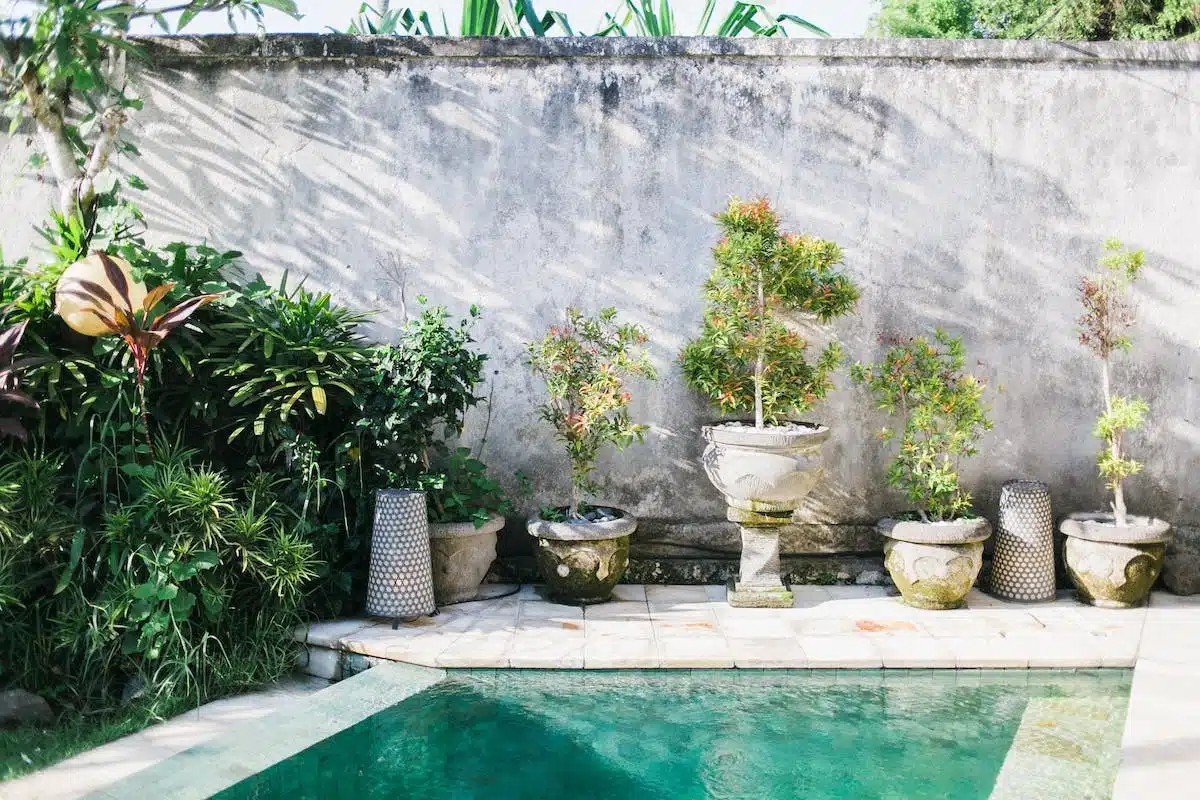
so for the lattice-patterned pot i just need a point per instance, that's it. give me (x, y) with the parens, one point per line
(1023, 562)
(400, 578)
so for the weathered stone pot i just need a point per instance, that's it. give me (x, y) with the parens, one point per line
(934, 564)
(582, 561)
(461, 556)
(1113, 566)
(769, 470)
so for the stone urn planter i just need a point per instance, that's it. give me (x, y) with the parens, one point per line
(934, 564)
(582, 560)
(461, 555)
(764, 475)
(1113, 566)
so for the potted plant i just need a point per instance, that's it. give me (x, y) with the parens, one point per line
(583, 549)
(1113, 557)
(466, 509)
(752, 363)
(933, 554)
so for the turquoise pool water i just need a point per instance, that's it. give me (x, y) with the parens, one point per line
(505, 735)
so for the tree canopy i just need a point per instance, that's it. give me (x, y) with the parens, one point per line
(1089, 20)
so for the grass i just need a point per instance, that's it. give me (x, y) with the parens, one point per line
(33, 747)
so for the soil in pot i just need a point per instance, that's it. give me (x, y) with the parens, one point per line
(582, 560)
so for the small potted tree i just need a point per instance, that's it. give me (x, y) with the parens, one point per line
(1113, 557)
(583, 549)
(934, 553)
(754, 366)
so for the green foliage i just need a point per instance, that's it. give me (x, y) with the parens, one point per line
(1107, 311)
(925, 19)
(519, 18)
(746, 359)
(1090, 20)
(460, 490)
(1103, 329)
(418, 390)
(287, 354)
(64, 55)
(479, 18)
(635, 18)
(1124, 416)
(584, 365)
(944, 417)
(159, 590)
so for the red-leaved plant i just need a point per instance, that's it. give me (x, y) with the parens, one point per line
(10, 380)
(131, 324)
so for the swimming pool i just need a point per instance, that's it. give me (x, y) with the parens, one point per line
(895, 734)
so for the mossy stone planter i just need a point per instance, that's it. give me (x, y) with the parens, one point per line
(582, 561)
(461, 556)
(934, 564)
(770, 470)
(1113, 566)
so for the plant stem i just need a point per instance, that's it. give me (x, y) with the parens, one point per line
(762, 353)
(1114, 449)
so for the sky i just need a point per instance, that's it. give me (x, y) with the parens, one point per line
(842, 18)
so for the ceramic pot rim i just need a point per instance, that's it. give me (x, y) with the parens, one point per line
(454, 530)
(582, 530)
(954, 531)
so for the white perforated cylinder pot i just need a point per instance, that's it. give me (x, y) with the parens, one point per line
(400, 577)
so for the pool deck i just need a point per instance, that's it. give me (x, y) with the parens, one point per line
(692, 627)
(681, 627)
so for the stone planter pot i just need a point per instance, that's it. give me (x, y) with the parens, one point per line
(769, 470)
(934, 564)
(1113, 566)
(582, 561)
(461, 556)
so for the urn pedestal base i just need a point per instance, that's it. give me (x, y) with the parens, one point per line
(759, 583)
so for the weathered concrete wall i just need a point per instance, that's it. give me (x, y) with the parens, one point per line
(970, 184)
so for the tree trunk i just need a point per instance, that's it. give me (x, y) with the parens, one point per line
(760, 361)
(1114, 449)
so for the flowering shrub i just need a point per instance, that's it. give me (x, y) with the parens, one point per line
(1107, 315)
(944, 417)
(745, 358)
(584, 364)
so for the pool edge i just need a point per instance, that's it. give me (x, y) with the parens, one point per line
(212, 767)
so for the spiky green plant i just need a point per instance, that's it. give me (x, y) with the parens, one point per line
(643, 19)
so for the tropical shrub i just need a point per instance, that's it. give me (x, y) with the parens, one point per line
(459, 489)
(418, 391)
(584, 364)
(746, 359)
(943, 414)
(157, 593)
(1103, 329)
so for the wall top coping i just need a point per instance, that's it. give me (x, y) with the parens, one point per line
(182, 51)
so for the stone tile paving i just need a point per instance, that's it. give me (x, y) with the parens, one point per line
(1160, 752)
(834, 627)
(101, 766)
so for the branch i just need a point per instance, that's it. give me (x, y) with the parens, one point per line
(48, 117)
(110, 127)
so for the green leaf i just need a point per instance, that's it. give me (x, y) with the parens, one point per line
(146, 591)
(73, 561)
